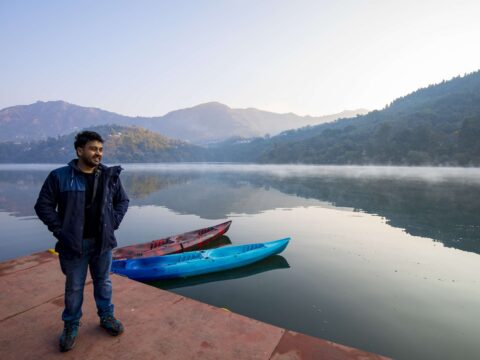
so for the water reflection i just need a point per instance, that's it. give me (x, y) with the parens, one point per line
(350, 277)
(447, 211)
(19, 190)
(271, 263)
(142, 185)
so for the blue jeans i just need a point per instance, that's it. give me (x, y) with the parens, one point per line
(75, 270)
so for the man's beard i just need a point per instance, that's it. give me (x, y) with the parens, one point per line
(91, 162)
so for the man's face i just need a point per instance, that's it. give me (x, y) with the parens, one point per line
(91, 153)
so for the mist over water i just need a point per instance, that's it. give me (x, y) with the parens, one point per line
(380, 257)
(433, 174)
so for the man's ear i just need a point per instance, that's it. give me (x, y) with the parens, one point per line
(79, 151)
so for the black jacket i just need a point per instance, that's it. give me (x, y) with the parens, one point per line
(61, 204)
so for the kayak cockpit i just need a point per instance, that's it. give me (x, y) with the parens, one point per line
(232, 250)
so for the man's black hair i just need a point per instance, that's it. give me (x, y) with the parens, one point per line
(82, 138)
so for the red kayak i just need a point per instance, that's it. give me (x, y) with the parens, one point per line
(193, 240)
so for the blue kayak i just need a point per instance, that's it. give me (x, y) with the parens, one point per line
(197, 262)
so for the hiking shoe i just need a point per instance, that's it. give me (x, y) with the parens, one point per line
(113, 326)
(69, 335)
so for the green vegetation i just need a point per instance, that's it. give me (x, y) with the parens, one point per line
(134, 144)
(437, 125)
(122, 144)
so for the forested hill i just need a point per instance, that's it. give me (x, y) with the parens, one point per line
(122, 144)
(437, 125)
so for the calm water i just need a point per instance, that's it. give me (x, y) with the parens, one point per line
(383, 259)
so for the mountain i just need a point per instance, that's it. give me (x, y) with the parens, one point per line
(213, 122)
(201, 124)
(436, 125)
(50, 119)
(122, 144)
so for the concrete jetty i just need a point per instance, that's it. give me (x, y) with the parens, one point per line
(158, 324)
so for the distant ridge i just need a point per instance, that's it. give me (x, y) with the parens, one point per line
(201, 124)
(436, 125)
(41, 120)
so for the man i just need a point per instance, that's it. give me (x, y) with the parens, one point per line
(82, 204)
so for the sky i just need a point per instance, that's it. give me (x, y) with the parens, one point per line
(146, 58)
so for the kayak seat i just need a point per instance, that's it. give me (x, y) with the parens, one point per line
(189, 256)
(206, 230)
(156, 243)
(232, 250)
(250, 247)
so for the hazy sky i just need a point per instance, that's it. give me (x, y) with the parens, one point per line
(308, 57)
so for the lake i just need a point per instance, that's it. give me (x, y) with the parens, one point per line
(386, 259)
